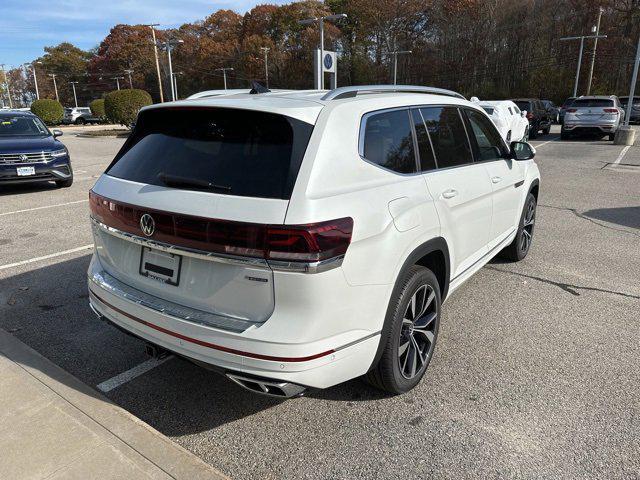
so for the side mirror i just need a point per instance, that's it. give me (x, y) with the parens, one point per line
(522, 151)
(57, 133)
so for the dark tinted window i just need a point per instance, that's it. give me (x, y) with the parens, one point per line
(240, 152)
(388, 141)
(425, 151)
(568, 102)
(488, 140)
(592, 102)
(524, 106)
(489, 110)
(625, 101)
(447, 135)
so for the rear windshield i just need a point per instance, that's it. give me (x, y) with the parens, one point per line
(625, 101)
(222, 150)
(489, 110)
(591, 102)
(523, 105)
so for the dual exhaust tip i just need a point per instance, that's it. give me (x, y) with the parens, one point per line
(271, 388)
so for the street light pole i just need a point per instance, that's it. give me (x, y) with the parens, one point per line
(6, 82)
(320, 21)
(175, 83)
(155, 52)
(581, 38)
(129, 72)
(117, 79)
(595, 45)
(170, 45)
(632, 90)
(35, 77)
(224, 74)
(75, 98)
(266, 65)
(55, 86)
(395, 63)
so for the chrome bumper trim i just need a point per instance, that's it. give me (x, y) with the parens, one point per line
(222, 322)
(275, 265)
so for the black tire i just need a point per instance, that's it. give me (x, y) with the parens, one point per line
(546, 131)
(389, 374)
(80, 121)
(64, 183)
(564, 135)
(521, 245)
(611, 136)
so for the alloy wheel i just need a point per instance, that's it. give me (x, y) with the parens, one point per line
(527, 227)
(417, 336)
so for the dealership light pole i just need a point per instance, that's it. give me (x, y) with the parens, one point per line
(75, 98)
(581, 38)
(224, 74)
(117, 79)
(35, 77)
(266, 65)
(155, 52)
(6, 82)
(175, 82)
(395, 62)
(170, 45)
(320, 21)
(596, 30)
(129, 72)
(632, 90)
(55, 86)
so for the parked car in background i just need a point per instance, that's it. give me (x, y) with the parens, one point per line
(240, 234)
(79, 116)
(508, 118)
(554, 112)
(563, 109)
(635, 108)
(537, 115)
(594, 114)
(29, 152)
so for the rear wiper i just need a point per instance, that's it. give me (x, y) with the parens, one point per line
(190, 183)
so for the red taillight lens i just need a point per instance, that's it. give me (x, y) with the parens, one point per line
(611, 110)
(309, 243)
(572, 110)
(295, 243)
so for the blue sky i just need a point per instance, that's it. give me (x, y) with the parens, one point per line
(27, 26)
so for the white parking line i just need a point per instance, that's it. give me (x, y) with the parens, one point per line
(46, 257)
(621, 156)
(132, 373)
(544, 143)
(43, 207)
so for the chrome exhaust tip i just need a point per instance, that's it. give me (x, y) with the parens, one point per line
(271, 388)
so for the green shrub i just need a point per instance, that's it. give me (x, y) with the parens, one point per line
(122, 106)
(50, 111)
(97, 108)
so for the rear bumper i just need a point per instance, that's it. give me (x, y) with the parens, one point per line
(590, 127)
(59, 169)
(256, 351)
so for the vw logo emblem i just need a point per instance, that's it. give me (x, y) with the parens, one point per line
(23, 157)
(328, 61)
(147, 224)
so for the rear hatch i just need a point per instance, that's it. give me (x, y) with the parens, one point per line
(593, 111)
(180, 213)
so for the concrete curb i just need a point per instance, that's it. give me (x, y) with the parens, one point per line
(134, 439)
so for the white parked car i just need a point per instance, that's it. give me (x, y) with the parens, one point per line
(296, 239)
(511, 122)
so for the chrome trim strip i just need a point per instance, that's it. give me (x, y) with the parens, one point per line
(275, 265)
(222, 322)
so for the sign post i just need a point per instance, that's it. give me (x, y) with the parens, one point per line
(324, 61)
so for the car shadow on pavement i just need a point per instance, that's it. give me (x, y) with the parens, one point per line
(22, 188)
(624, 216)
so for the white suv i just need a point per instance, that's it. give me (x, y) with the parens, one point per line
(302, 239)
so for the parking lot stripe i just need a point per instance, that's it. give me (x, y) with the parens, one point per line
(46, 257)
(45, 206)
(622, 154)
(544, 143)
(132, 373)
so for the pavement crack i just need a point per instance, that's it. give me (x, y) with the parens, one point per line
(567, 287)
(584, 217)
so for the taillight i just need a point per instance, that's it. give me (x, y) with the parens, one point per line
(292, 243)
(612, 110)
(529, 115)
(572, 110)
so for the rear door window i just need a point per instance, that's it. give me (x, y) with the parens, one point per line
(388, 141)
(221, 150)
(524, 106)
(448, 136)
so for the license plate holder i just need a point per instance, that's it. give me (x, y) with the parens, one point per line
(25, 171)
(160, 266)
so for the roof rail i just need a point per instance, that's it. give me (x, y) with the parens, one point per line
(352, 91)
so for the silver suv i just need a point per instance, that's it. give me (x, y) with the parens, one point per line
(596, 114)
(79, 116)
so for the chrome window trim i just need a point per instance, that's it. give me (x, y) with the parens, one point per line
(275, 265)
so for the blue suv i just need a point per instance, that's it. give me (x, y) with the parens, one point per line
(30, 152)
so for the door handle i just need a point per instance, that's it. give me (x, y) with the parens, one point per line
(449, 193)
(496, 179)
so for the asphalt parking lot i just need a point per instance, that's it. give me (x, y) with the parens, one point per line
(535, 374)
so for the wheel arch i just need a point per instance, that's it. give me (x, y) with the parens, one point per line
(534, 188)
(434, 255)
